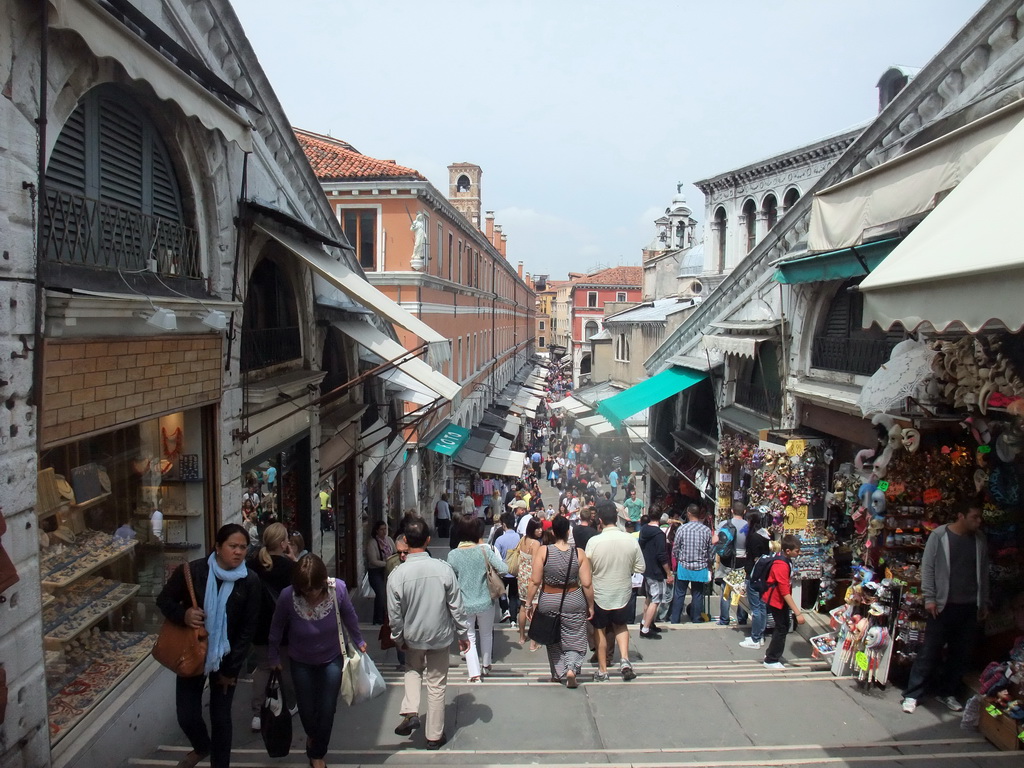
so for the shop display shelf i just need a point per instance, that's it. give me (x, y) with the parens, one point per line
(69, 507)
(47, 599)
(82, 622)
(72, 573)
(188, 513)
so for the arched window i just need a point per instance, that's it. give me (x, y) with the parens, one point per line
(589, 330)
(112, 195)
(750, 222)
(463, 184)
(770, 211)
(792, 195)
(622, 348)
(270, 323)
(721, 222)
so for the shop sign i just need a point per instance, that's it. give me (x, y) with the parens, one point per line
(450, 440)
(796, 517)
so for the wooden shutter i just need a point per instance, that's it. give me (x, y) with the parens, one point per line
(121, 155)
(66, 166)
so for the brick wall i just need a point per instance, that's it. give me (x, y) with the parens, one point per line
(93, 385)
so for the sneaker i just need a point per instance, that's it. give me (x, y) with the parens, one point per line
(255, 724)
(505, 616)
(909, 705)
(648, 635)
(409, 724)
(293, 710)
(951, 703)
(626, 670)
(513, 625)
(654, 628)
(600, 677)
(475, 680)
(437, 743)
(721, 623)
(774, 665)
(752, 643)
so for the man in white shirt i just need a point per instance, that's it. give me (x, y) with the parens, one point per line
(614, 557)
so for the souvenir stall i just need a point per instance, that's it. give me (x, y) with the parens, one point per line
(966, 443)
(787, 483)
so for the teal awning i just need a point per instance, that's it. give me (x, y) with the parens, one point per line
(836, 265)
(648, 392)
(449, 440)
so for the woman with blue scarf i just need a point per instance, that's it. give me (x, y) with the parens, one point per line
(229, 602)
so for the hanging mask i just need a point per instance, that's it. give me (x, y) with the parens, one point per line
(911, 439)
(878, 504)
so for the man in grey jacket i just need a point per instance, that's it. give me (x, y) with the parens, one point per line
(426, 612)
(954, 580)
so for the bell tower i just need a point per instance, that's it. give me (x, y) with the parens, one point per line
(464, 190)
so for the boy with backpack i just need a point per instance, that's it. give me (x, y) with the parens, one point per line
(777, 594)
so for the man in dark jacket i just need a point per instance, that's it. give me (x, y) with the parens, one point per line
(657, 573)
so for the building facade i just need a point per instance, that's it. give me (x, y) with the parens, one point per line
(428, 253)
(584, 305)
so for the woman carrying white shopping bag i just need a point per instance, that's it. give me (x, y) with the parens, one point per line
(312, 610)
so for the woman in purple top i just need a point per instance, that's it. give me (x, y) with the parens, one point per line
(306, 611)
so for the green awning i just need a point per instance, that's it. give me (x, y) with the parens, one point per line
(449, 440)
(648, 392)
(836, 265)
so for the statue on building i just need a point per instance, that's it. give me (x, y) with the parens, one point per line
(419, 243)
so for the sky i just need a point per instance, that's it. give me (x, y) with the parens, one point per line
(585, 114)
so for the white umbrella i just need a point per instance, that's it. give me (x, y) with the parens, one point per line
(909, 366)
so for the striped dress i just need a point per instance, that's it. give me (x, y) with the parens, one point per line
(568, 654)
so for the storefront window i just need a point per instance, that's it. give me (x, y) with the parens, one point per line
(117, 513)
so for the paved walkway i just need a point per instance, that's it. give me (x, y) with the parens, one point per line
(699, 700)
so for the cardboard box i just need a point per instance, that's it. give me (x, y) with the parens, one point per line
(1001, 731)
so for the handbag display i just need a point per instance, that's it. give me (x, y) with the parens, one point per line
(275, 718)
(495, 584)
(179, 648)
(546, 629)
(360, 679)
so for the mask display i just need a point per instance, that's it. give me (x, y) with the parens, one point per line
(878, 504)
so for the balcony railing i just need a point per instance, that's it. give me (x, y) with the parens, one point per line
(82, 231)
(859, 356)
(756, 398)
(269, 346)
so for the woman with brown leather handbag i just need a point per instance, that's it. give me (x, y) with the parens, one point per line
(227, 604)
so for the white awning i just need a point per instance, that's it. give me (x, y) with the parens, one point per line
(512, 425)
(572, 405)
(405, 387)
(907, 185)
(357, 289)
(743, 346)
(963, 264)
(501, 442)
(109, 39)
(388, 349)
(596, 425)
(375, 446)
(504, 463)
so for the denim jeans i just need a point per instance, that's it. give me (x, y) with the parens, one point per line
(316, 693)
(724, 608)
(188, 695)
(679, 600)
(953, 629)
(758, 614)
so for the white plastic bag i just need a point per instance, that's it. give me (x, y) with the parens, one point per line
(360, 680)
(365, 590)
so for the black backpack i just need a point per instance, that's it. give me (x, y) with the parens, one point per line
(760, 572)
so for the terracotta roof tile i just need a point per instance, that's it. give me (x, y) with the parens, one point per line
(336, 160)
(630, 276)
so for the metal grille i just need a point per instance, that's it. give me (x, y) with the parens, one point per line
(754, 397)
(82, 231)
(268, 346)
(859, 356)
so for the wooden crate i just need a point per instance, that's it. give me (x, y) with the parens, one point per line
(1002, 731)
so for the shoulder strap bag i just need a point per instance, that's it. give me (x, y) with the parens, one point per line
(545, 628)
(495, 584)
(180, 648)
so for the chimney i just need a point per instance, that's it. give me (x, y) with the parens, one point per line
(504, 247)
(520, 269)
(496, 238)
(489, 220)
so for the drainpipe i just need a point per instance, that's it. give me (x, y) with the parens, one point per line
(39, 204)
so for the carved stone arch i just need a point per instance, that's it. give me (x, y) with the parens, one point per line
(790, 197)
(273, 310)
(810, 303)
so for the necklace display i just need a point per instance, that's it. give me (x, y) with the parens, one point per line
(172, 443)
